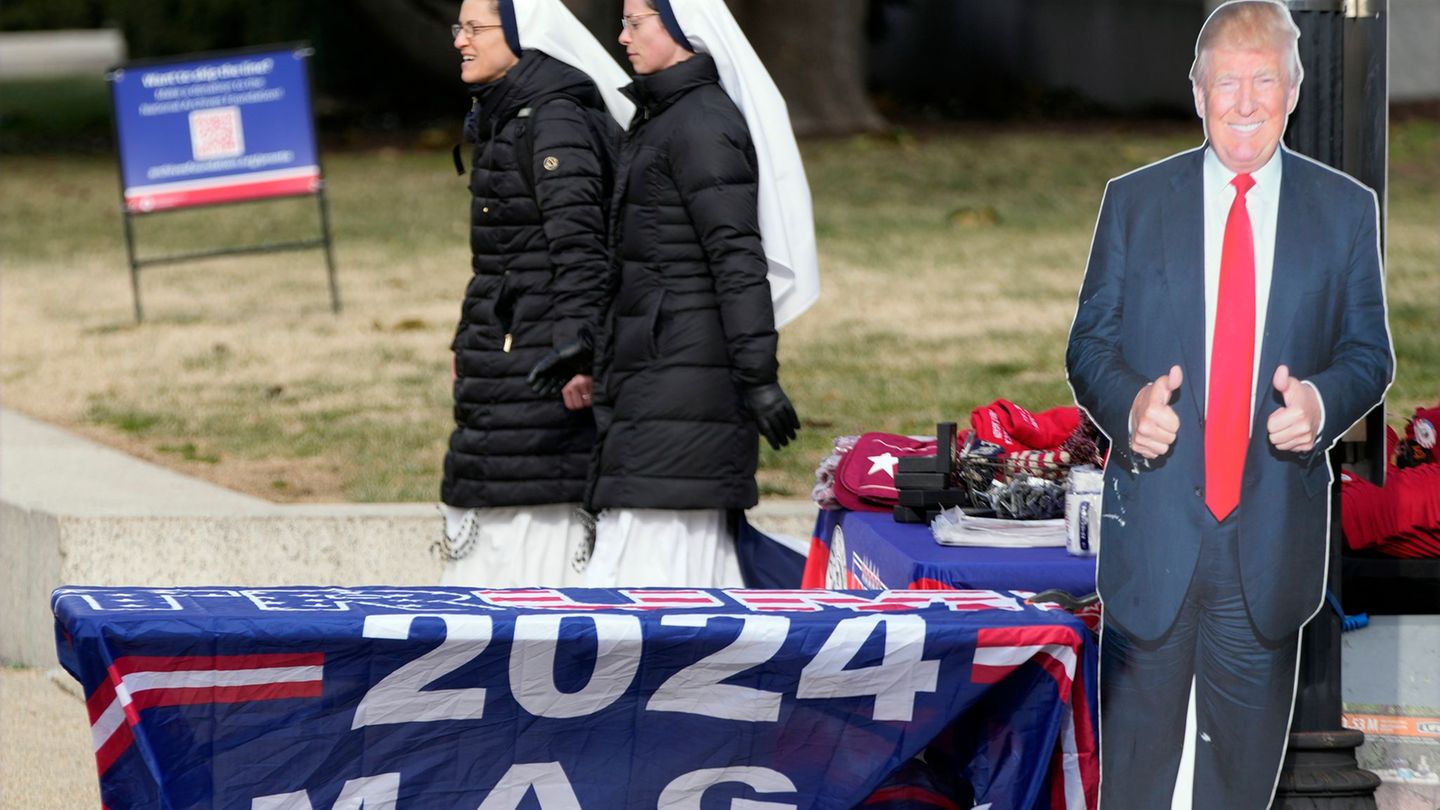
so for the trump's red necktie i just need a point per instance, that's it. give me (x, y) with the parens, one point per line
(1232, 360)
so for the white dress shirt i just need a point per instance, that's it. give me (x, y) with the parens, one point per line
(1263, 203)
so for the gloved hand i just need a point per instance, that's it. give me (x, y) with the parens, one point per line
(560, 365)
(773, 413)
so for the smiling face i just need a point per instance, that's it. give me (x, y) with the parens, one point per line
(648, 46)
(484, 56)
(1245, 96)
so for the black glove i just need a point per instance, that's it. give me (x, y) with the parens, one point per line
(773, 413)
(558, 366)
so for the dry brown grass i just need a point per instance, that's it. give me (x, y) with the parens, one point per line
(239, 374)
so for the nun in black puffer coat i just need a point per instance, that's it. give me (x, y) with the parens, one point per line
(543, 125)
(691, 341)
(713, 238)
(539, 279)
(688, 378)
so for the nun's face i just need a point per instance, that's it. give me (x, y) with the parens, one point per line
(648, 46)
(484, 56)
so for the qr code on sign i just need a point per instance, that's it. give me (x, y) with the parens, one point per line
(216, 133)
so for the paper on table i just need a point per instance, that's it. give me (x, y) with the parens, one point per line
(952, 527)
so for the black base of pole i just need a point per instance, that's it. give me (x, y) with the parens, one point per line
(1320, 771)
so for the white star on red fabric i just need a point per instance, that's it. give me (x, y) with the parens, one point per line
(886, 462)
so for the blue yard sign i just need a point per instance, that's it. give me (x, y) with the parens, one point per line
(224, 128)
(207, 129)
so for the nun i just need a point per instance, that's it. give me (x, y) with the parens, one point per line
(544, 123)
(714, 245)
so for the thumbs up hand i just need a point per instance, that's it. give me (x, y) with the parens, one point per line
(1154, 423)
(1296, 426)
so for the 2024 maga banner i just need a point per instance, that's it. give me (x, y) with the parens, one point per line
(343, 699)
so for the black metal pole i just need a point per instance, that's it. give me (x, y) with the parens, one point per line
(134, 265)
(307, 51)
(271, 247)
(329, 249)
(1340, 121)
(110, 77)
(1320, 769)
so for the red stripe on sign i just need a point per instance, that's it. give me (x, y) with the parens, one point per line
(985, 673)
(105, 694)
(192, 695)
(132, 715)
(1010, 638)
(118, 744)
(917, 795)
(661, 591)
(185, 663)
(1056, 668)
(1057, 778)
(1028, 636)
(881, 607)
(100, 699)
(286, 187)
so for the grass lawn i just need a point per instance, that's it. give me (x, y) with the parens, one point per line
(950, 263)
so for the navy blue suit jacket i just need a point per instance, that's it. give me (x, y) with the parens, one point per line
(1142, 310)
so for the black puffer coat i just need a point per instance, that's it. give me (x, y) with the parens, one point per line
(537, 279)
(692, 324)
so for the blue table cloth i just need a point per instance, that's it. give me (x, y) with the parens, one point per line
(880, 553)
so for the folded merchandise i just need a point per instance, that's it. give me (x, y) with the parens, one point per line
(952, 527)
(823, 494)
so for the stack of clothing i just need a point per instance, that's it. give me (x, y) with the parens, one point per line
(823, 493)
(859, 474)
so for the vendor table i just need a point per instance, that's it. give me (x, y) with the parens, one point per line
(345, 699)
(871, 550)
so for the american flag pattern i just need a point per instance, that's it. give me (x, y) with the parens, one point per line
(1057, 649)
(634, 599)
(141, 682)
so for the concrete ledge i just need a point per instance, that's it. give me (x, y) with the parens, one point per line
(46, 54)
(73, 512)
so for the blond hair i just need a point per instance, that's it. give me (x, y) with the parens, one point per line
(1248, 25)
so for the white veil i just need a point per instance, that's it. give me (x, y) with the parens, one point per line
(787, 223)
(549, 27)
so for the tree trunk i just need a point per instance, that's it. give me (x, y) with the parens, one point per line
(815, 50)
(421, 29)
